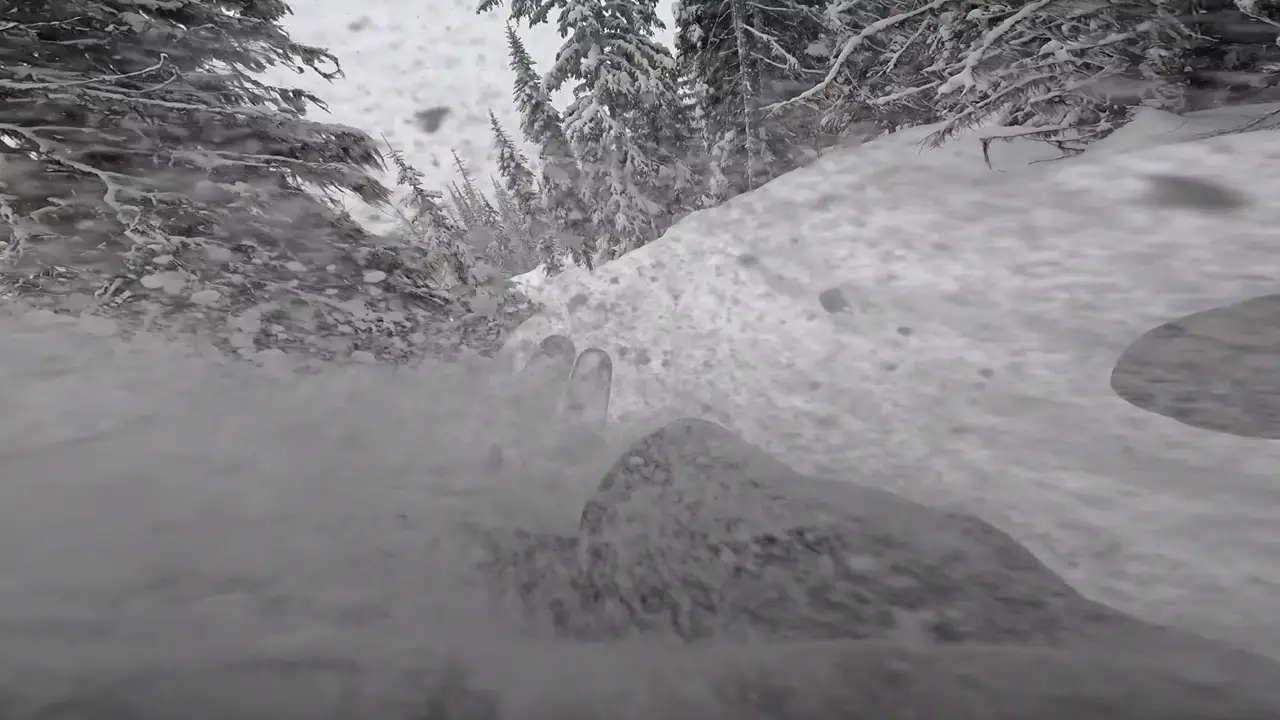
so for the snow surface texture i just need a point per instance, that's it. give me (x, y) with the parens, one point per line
(907, 319)
(186, 539)
(423, 73)
(161, 506)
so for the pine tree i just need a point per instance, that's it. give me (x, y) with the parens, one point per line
(519, 227)
(693, 90)
(479, 208)
(480, 224)
(516, 195)
(146, 131)
(462, 210)
(746, 55)
(535, 12)
(746, 48)
(513, 167)
(431, 227)
(561, 183)
(625, 122)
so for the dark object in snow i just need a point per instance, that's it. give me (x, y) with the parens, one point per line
(545, 376)
(586, 393)
(495, 461)
(1217, 370)
(833, 300)
(698, 535)
(431, 119)
(1185, 192)
(554, 356)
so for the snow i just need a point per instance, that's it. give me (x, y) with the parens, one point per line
(162, 507)
(905, 150)
(908, 318)
(1151, 127)
(400, 58)
(532, 282)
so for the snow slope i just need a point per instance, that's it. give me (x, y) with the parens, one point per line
(1148, 128)
(912, 320)
(181, 539)
(405, 56)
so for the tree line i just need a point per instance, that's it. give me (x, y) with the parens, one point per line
(142, 131)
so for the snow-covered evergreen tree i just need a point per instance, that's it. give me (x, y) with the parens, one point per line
(431, 227)
(1235, 58)
(561, 183)
(522, 229)
(480, 212)
(516, 195)
(745, 55)
(146, 132)
(481, 224)
(710, 183)
(461, 212)
(627, 126)
(626, 123)
(513, 167)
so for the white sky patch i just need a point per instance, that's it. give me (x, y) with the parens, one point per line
(402, 58)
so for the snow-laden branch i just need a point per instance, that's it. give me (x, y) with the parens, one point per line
(852, 44)
(903, 94)
(777, 50)
(1250, 9)
(239, 112)
(1065, 49)
(31, 26)
(964, 78)
(130, 216)
(893, 61)
(989, 102)
(17, 85)
(1018, 131)
(773, 8)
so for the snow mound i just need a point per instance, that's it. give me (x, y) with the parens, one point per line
(949, 333)
(532, 282)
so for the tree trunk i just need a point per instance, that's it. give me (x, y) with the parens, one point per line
(749, 80)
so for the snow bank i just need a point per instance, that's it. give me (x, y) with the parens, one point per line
(1152, 128)
(913, 320)
(531, 283)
